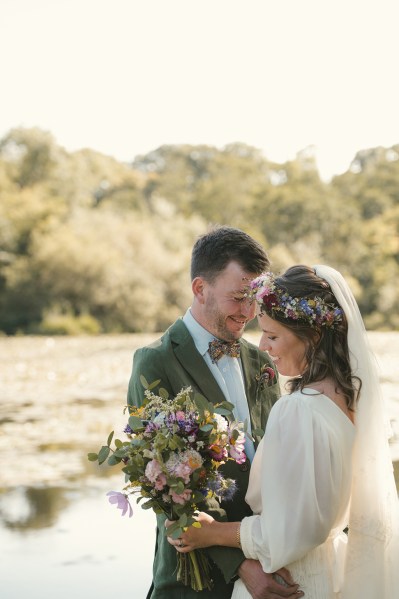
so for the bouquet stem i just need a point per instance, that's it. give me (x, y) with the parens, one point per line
(193, 570)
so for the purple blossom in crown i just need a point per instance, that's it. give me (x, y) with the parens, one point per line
(273, 299)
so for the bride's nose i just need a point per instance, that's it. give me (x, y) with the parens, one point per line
(264, 344)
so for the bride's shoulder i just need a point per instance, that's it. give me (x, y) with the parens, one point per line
(292, 402)
(327, 388)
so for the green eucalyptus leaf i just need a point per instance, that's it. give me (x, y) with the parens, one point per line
(157, 510)
(183, 520)
(113, 460)
(174, 530)
(179, 487)
(92, 457)
(110, 437)
(144, 381)
(153, 384)
(198, 497)
(176, 442)
(203, 404)
(176, 534)
(120, 453)
(163, 393)
(103, 454)
(228, 405)
(223, 411)
(206, 428)
(135, 423)
(235, 434)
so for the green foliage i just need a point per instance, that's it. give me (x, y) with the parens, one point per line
(66, 324)
(90, 245)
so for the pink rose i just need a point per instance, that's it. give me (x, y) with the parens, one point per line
(181, 498)
(153, 470)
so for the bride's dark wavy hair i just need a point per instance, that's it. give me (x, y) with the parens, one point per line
(327, 353)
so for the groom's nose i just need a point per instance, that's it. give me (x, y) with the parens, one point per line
(248, 309)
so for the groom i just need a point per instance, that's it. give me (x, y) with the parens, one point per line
(223, 261)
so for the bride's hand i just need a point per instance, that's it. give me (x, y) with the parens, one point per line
(193, 537)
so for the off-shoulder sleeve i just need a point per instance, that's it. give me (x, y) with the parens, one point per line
(301, 478)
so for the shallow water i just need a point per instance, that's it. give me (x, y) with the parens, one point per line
(60, 397)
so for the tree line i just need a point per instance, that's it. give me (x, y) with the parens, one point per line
(89, 244)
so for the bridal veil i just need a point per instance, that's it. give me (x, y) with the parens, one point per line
(372, 560)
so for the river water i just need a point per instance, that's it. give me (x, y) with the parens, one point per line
(60, 397)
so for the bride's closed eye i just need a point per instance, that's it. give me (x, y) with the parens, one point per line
(271, 337)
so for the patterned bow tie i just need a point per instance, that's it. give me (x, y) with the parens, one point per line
(217, 349)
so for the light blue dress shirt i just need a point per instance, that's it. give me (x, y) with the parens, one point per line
(227, 372)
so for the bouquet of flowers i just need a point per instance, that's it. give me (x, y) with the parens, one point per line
(171, 461)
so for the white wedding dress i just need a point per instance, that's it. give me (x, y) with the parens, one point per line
(304, 492)
(299, 489)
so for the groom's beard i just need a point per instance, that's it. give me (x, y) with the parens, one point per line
(218, 321)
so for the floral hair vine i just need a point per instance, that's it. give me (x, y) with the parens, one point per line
(274, 299)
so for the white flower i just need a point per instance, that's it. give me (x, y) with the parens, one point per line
(159, 418)
(221, 422)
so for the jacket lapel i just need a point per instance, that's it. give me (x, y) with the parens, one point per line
(192, 361)
(251, 367)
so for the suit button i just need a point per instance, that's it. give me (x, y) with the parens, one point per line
(244, 467)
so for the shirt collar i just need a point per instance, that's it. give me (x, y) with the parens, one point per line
(201, 336)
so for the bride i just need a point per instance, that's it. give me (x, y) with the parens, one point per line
(321, 485)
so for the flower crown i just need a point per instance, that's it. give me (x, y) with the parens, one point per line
(274, 299)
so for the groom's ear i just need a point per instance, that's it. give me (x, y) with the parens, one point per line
(198, 286)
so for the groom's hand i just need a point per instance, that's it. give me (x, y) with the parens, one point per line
(264, 586)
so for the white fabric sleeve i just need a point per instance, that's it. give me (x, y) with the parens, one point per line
(300, 473)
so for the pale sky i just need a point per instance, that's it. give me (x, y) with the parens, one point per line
(125, 76)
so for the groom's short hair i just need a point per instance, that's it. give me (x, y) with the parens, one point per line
(214, 250)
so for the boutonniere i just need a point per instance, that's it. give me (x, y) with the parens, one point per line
(265, 378)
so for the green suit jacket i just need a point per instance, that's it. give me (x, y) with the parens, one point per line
(175, 360)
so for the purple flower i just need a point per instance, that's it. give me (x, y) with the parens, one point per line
(216, 484)
(128, 430)
(237, 452)
(224, 488)
(237, 445)
(151, 428)
(121, 501)
(218, 453)
(230, 490)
